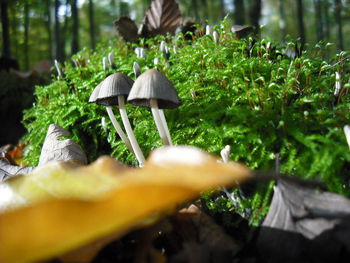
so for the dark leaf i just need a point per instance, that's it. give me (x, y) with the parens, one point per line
(242, 31)
(305, 223)
(126, 28)
(162, 17)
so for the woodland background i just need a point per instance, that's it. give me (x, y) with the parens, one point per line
(34, 30)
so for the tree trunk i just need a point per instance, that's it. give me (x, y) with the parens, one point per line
(195, 8)
(255, 14)
(338, 20)
(318, 20)
(65, 28)
(26, 35)
(48, 28)
(92, 23)
(326, 17)
(301, 22)
(6, 48)
(205, 13)
(75, 27)
(57, 44)
(239, 12)
(14, 25)
(222, 9)
(282, 20)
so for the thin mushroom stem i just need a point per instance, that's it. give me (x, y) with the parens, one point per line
(118, 128)
(138, 153)
(158, 121)
(165, 126)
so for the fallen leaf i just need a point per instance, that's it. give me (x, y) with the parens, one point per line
(162, 17)
(60, 207)
(127, 29)
(55, 148)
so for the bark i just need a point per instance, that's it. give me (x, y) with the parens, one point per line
(6, 48)
(205, 13)
(58, 42)
(124, 9)
(14, 29)
(112, 6)
(75, 27)
(222, 9)
(195, 8)
(239, 12)
(65, 29)
(48, 28)
(26, 35)
(326, 17)
(339, 22)
(318, 20)
(255, 14)
(301, 25)
(92, 24)
(282, 20)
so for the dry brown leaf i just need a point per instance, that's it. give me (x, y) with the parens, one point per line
(61, 208)
(126, 28)
(162, 17)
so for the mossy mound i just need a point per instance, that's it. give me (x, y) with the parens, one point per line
(243, 93)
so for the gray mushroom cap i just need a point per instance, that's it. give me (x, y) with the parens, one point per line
(113, 86)
(94, 94)
(152, 84)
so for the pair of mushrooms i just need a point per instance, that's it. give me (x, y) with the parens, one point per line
(151, 89)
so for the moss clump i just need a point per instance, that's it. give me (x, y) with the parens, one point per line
(238, 92)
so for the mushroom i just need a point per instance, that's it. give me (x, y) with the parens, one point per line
(93, 99)
(153, 89)
(225, 153)
(137, 69)
(216, 37)
(140, 52)
(208, 30)
(59, 72)
(111, 60)
(113, 91)
(337, 84)
(105, 63)
(347, 134)
(164, 49)
(156, 61)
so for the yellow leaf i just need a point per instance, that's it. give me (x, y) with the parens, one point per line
(59, 208)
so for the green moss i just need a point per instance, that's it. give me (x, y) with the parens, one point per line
(255, 99)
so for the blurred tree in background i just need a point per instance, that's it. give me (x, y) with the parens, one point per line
(34, 30)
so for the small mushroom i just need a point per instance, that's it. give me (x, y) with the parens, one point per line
(113, 91)
(156, 61)
(59, 72)
(216, 37)
(93, 99)
(103, 124)
(105, 63)
(111, 60)
(347, 134)
(225, 153)
(137, 69)
(140, 52)
(152, 89)
(164, 49)
(75, 62)
(337, 84)
(94, 94)
(208, 30)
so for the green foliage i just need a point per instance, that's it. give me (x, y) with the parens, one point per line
(241, 93)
